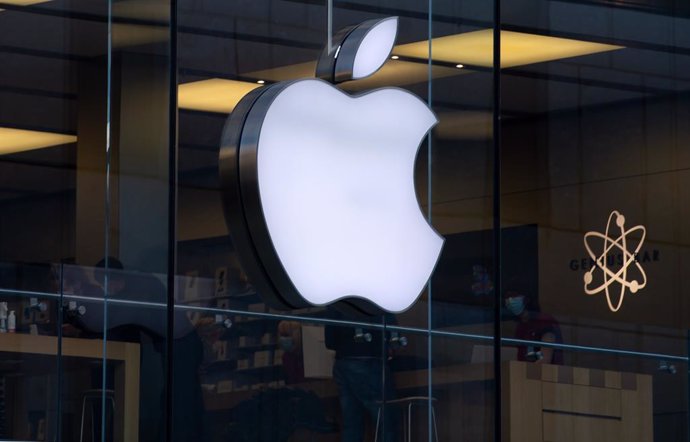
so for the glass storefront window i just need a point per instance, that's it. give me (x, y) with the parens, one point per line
(130, 309)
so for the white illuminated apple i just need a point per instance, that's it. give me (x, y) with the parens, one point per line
(319, 184)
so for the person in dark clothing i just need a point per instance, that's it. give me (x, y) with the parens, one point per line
(364, 381)
(534, 325)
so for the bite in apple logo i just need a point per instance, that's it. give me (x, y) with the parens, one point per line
(318, 185)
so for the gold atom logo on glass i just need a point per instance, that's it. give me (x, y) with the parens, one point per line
(607, 259)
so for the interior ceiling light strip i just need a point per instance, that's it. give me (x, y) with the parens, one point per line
(20, 140)
(517, 48)
(23, 2)
(470, 48)
(213, 95)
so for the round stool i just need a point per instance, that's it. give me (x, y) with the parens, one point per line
(409, 402)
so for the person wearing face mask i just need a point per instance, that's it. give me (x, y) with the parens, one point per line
(535, 326)
(290, 341)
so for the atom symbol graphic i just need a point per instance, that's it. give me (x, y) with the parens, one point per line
(621, 276)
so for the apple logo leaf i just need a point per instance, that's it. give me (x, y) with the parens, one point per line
(375, 48)
(358, 51)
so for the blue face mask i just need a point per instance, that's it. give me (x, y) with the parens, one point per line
(516, 305)
(286, 343)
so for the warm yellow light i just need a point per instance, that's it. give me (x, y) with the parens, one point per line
(395, 57)
(261, 82)
(459, 66)
(19, 140)
(23, 2)
(517, 48)
(213, 95)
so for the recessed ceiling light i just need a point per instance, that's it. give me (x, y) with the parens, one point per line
(395, 57)
(261, 81)
(20, 140)
(459, 66)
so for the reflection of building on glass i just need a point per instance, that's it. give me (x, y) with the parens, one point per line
(533, 325)
(364, 381)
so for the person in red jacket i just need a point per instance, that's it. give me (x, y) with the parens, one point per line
(535, 326)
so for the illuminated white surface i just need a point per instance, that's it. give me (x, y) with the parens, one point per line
(337, 190)
(619, 244)
(375, 48)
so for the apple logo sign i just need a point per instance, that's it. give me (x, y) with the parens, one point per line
(318, 184)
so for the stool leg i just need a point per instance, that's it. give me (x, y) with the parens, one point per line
(93, 424)
(111, 420)
(83, 411)
(378, 419)
(409, 422)
(433, 417)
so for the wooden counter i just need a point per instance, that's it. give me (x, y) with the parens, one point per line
(568, 404)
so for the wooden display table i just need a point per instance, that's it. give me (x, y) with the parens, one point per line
(126, 373)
